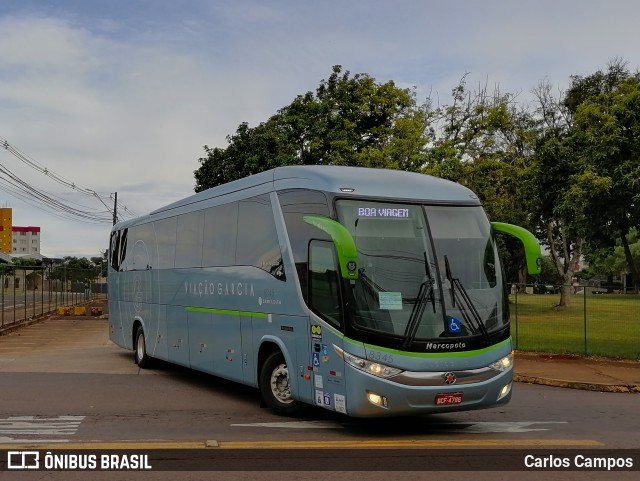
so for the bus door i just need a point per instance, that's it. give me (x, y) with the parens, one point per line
(325, 327)
(227, 344)
(215, 341)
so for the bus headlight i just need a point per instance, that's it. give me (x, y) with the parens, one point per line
(374, 368)
(504, 391)
(376, 399)
(503, 364)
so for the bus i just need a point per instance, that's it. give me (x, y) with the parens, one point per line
(368, 292)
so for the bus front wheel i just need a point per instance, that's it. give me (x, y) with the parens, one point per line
(142, 359)
(275, 387)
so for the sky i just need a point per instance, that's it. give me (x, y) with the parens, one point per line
(121, 96)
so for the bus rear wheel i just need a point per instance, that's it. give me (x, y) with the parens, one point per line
(275, 387)
(141, 358)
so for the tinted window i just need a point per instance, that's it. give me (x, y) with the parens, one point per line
(141, 246)
(295, 204)
(324, 282)
(166, 242)
(257, 243)
(189, 239)
(118, 248)
(220, 234)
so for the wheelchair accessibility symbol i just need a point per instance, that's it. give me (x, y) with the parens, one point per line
(454, 325)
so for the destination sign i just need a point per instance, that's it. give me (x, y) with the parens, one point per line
(383, 212)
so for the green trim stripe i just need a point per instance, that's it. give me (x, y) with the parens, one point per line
(228, 312)
(433, 355)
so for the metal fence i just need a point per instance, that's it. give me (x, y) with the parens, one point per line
(598, 322)
(31, 292)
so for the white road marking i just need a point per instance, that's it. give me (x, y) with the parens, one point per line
(506, 427)
(23, 426)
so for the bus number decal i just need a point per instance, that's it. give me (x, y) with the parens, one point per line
(380, 356)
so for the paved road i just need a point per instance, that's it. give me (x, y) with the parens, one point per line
(63, 383)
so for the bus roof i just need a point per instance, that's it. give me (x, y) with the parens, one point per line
(356, 181)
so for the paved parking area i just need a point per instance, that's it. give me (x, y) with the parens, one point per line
(56, 345)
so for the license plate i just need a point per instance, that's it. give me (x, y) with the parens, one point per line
(448, 399)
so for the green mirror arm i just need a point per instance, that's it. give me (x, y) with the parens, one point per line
(345, 245)
(531, 245)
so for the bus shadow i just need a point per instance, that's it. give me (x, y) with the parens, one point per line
(359, 427)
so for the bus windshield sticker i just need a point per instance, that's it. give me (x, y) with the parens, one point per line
(391, 301)
(454, 325)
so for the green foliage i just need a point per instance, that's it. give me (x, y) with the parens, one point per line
(483, 140)
(606, 140)
(549, 274)
(566, 167)
(75, 270)
(610, 261)
(101, 263)
(348, 120)
(26, 261)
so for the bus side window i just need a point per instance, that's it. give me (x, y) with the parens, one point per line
(220, 235)
(257, 241)
(118, 241)
(295, 204)
(166, 230)
(189, 239)
(324, 282)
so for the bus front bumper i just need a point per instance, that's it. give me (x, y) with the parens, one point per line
(370, 396)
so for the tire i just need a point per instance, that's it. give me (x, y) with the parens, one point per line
(141, 358)
(275, 387)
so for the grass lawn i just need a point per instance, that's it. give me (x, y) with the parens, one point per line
(596, 325)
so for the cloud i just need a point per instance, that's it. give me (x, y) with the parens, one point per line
(121, 96)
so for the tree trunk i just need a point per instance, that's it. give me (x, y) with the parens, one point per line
(609, 283)
(565, 295)
(566, 263)
(631, 264)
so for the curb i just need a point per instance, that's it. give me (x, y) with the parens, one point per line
(585, 386)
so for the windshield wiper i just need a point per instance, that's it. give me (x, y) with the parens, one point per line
(459, 293)
(424, 294)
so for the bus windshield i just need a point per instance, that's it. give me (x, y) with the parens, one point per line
(426, 272)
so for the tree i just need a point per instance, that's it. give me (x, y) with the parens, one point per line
(484, 140)
(611, 261)
(348, 120)
(607, 138)
(75, 270)
(557, 187)
(101, 263)
(26, 261)
(561, 220)
(584, 184)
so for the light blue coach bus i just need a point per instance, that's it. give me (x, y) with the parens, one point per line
(365, 291)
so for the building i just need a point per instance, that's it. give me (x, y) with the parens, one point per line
(15, 240)
(6, 233)
(26, 240)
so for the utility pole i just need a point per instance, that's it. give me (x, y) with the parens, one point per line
(115, 209)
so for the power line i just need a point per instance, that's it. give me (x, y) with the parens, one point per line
(59, 206)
